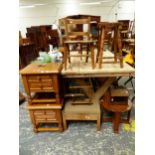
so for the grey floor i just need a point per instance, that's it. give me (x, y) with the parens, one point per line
(80, 138)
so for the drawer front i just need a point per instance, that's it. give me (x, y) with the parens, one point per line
(40, 78)
(81, 116)
(39, 83)
(46, 115)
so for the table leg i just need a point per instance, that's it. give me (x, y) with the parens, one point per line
(100, 92)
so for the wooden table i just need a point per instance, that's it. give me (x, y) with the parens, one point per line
(110, 71)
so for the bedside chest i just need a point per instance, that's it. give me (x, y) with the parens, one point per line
(42, 78)
(42, 85)
(46, 117)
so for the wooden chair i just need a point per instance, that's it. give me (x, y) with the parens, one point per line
(127, 36)
(78, 34)
(115, 39)
(130, 59)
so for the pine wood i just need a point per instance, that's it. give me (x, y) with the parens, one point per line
(45, 113)
(78, 37)
(82, 116)
(42, 85)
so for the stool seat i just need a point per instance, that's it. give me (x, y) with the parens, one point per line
(81, 112)
(90, 108)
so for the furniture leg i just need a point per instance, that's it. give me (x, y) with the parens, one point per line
(65, 56)
(115, 46)
(128, 116)
(119, 48)
(92, 56)
(21, 98)
(101, 47)
(116, 121)
(64, 122)
(100, 92)
(98, 123)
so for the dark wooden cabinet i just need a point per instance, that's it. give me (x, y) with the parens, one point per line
(42, 36)
(27, 53)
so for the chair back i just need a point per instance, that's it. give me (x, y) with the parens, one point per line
(77, 28)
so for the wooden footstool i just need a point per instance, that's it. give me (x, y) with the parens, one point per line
(81, 112)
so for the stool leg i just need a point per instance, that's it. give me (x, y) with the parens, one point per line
(98, 123)
(88, 48)
(115, 45)
(92, 56)
(119, 48)
(64, 123)
(101, 48)
(116, 121)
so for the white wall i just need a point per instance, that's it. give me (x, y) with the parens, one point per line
(47, 15)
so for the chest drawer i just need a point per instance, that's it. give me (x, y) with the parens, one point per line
(52, 115)
(39, 78)
(38, 83)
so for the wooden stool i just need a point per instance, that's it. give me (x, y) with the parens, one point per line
(81, 112)
(116, 107)
(114, 27)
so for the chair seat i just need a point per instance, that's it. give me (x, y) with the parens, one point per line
(89, 109)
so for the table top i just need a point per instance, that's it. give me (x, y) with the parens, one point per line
(109, 69)
(42, 69)
(79, 68)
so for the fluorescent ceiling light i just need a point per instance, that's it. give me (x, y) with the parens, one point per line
(93, 3)
(26, 6)
(38, 4)
(106, 1)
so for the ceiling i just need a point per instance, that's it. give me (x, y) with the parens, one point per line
(59, 2)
